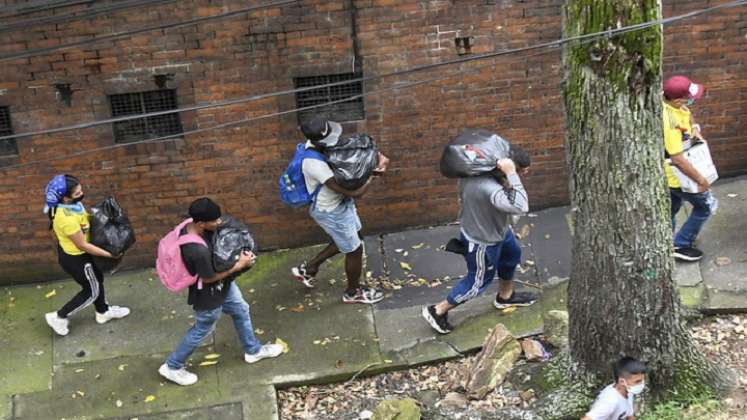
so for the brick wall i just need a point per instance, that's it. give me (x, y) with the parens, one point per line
(262, 52)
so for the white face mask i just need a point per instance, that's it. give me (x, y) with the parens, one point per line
(635, 389)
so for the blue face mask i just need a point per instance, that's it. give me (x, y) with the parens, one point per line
(690, 102)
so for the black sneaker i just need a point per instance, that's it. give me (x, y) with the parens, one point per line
(363, 295)
(688, 253)
(439, 323)
(300, 274)
(516, 299)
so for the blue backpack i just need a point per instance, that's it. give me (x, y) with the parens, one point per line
(292, 182)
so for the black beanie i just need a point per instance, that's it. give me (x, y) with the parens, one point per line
(204, 210)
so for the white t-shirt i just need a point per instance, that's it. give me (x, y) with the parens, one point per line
(316, 172)
(611, 405)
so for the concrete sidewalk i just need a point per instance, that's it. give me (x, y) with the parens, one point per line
(110, 371)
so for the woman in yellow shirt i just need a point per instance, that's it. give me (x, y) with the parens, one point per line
(69, 221)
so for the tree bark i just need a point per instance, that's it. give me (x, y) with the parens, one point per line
(622, 299)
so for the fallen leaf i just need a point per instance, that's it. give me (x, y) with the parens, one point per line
(524, 232)
(317, 341)
(732, 195)
(79, 370)
(279, 308)
(118, 403)
(387, 361)
(212, 356)
(81, 393)
(121, 368)
(150, 398)
(282, 343)
(398, 250)
(547, 236)
(509, 310)
(209, 363)
(259, 331)
(298, 309)
(418, 246)
(405, 266)
(404, 254)
(51, 294)
(530, 262)
(722, 261)
(338, 364)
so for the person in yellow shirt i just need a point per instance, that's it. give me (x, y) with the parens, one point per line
(680, 132)
(69, 221)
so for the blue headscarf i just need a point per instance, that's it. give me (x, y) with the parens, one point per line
(56, 189)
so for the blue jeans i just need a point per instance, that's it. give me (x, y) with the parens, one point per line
(701, 211)
(483, 261)
(204, 325)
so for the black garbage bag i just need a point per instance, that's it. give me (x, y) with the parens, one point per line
(473, 152)
(229, 240)
(353, 160)
(110, 230)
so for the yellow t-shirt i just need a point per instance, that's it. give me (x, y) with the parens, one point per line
(66, 223)
(677, 135)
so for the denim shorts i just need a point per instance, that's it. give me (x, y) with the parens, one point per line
(341, 224)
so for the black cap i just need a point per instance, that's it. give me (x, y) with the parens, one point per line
(319, 129)
(204, 210)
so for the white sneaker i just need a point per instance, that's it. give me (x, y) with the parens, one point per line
(178, 376)
(267, 351)
(59, 325)
(114, 312)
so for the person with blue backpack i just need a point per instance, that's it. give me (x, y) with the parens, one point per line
(185, 259)
(309, 180)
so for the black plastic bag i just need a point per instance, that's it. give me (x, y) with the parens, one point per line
(110, 230)
(473, 152)
(353, 160)
(229, 240)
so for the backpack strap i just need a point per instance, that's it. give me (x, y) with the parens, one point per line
(189, 238)
(310, 153)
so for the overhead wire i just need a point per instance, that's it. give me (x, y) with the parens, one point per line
(554, 43)
(81, 15)
(242, 121)
(39, 6)
(125, 34)
(583, 39)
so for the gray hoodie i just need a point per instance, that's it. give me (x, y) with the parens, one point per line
(487, 207)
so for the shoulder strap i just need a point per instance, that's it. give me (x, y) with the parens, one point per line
(188, 238)
(310, 153)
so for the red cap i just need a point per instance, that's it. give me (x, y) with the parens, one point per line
(680, 87)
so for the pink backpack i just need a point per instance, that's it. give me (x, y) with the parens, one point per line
(169, 264)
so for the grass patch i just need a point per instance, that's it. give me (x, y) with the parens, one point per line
(694, 410)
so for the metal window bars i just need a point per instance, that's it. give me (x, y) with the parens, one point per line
(351, 110)
(8, 147)
(149, 127)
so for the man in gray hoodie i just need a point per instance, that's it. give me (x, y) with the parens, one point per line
(488, 205)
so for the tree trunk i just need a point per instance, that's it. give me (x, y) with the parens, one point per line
(621, 297)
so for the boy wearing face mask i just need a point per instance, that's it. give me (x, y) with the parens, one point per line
(615, 402)
(333, 209)
(69, 221)
(680, 133)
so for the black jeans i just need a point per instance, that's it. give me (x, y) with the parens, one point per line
(85, 273)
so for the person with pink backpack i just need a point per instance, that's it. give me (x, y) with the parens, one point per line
(185, 260)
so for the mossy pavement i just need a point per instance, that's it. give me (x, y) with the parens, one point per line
(110, 370)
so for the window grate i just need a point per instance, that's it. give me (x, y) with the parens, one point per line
(351, 110)
(141, 103)
(8, 147)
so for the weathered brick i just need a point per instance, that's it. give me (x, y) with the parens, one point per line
(261, 52)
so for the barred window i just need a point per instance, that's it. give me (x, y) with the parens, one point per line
(8, 147)
(142, 103)
(340, 111)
